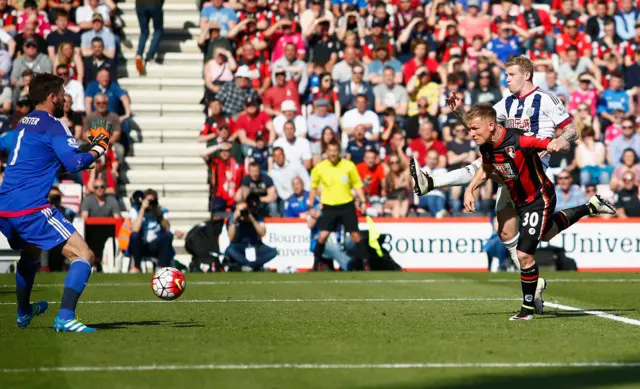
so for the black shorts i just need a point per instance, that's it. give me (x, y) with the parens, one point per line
(535, 221)
(333, 214)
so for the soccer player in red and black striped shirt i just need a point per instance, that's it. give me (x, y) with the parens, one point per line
(512, 158)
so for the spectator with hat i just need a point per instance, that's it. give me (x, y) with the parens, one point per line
(289, 114)
(84, 14)
(98, 30)
(215, 117)
(211, 38)
(295, 68)
(251, 121)
(222, 135)
(32, 60)
(235, 95)
(375, 39)
(218, 71)
(282, 90)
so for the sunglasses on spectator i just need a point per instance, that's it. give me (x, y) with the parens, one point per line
(394, 162)
(30, 45)
(563, 177)
(63, 74)
(422, 105)
(100, 103)
(99, 186)
(358, 72)
(627, 127)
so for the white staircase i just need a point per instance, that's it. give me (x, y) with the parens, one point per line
(166, 109)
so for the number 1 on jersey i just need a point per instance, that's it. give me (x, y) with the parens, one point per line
(15, 152)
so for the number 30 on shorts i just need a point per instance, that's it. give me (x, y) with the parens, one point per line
(531, 219)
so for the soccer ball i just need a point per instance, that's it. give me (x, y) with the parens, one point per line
(168, 283)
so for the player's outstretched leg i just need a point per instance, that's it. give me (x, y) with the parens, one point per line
(25, 276)
(567, 217)
(529, 277)
(423, 183)
(77, 251)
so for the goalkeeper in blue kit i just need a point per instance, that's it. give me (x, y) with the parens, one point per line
(42, 147)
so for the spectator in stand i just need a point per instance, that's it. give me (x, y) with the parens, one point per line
(360, 115)
(632, 72)
(225, 175)
(6, 109)
(349, 90)
(388, 94)
(573, 38)
(296, 148)
(628, 139)
(417, 30)
(629, 163)
(259, 184)
(628, 204)
(215, 118)
(284, 170)
(419, 61)
(314, 15)
(485, 92)
(567, 13)
(21, 89)
(614, 98)
(29, 32)
(296, 68)
(147, 11)
(99, 203)
(590, 156)
(100, 31)
(434, 201)
(72, 87)
(537, 23)
(234, 95)
(573, 66)
(5, 67)
(506, 44)
(32, 60)
(568, 194)
(282, 90)
(609, 44)
(24, 106)
(297, 205)
(225, 17)
(285, 33)
(421, 85)
(106, 168)
(460, 153)
(71, 60)
(359, 145)
(289, 114)
(218, 71)
(328, 91)
(260, 153)
(32, 13)
(382, 62)
(252, 121)
(62, 6)
(9, 17)
(343, 71)
(551, 84)
(586, 94)
(84, 15)
(625, 20)
(96, 62)
(323, 44)
(583, 118)
(559, 162)
(419, 147)
(415, 122)
(101, 102)
(73, 120)
(61, 34)
(595, 23)
(377, 37)
(318, 122)
(211, 38)
(118, 99)
(221, 135)
(398, 183)
(151, 232)
(262, 83)
(474, 23)
(372, 174)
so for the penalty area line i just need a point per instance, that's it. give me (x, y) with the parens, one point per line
(323, 300)
(601, 314)
(302, 366)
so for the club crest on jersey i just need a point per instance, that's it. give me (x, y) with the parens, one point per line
(511, 151)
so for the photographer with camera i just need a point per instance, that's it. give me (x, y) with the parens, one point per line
(246, 230)
(151, 235)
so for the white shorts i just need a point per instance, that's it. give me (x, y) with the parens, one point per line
(503, 197)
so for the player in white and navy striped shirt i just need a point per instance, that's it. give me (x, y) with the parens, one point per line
(529, 109)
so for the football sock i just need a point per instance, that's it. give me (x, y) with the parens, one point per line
(456, 177)
(25, 274)
(74, 284)
(511, 246)
(529, 281)
(568, 217)
(318, 251)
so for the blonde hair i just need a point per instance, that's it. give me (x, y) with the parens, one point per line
(62, 60)
(525, 64)
(484, 111)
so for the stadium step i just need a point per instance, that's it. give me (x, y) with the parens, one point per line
(180, 204)
(155, 84)
(172, 58)
(155, 70)
(186, 122)
(169, 190)
(132, 33)
(149, 96)
(166, 46)
(169, 7)
(152, 177)
(165, 136)
(147, 149)
(187, 218)
(165, 163)
(166, 109)
(173, 18)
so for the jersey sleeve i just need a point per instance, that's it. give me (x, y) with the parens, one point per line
(554, 109)
(533, 142)
(501, 111)
(66, 148)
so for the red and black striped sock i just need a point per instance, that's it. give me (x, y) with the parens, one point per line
(568, 217)
(529, 281)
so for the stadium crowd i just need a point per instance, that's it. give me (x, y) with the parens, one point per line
(282, 78)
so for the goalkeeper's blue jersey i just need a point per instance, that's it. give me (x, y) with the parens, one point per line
(43, 145)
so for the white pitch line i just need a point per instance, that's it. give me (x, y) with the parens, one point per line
(601, 314)
(325, 300)
(305, 282)
(302, 366)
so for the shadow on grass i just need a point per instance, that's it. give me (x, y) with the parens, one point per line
(572, 378)
(552, 314)
(144, 323)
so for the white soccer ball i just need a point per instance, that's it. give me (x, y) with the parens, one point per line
(168, 283)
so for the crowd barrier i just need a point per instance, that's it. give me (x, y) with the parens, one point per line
(449, 244)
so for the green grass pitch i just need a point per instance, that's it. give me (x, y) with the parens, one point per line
(340, 330)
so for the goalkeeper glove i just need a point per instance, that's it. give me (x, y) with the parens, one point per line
(100, 130)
